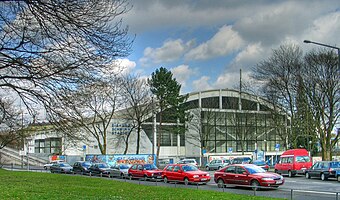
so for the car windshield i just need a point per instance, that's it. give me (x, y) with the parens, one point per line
(302, 159)
(124, 166)
(254, 169)
(150, 167)
(259, 162)
(86, 164)
(64, 165)
(103, 165)
(189, 168)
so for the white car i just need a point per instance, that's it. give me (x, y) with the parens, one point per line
(48, 165)
(188, 161)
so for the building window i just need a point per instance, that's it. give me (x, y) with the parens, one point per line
(48, 145)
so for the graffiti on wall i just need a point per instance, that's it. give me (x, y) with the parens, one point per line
(122, 159)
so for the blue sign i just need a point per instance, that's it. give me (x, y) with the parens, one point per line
(84, 147)
(277, 146)
(204, 151)
(230, 150)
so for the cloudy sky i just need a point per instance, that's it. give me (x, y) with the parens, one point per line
(206, 43)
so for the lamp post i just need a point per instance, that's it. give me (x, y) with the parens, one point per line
(325, 45)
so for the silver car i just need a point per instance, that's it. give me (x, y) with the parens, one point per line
(120, 170)
(217, 164)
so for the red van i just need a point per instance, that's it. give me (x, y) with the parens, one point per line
(293, 161)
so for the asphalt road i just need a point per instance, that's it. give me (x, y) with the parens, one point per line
(297, 188)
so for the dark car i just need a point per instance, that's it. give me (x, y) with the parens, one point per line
(81, 167)
(61, 168)
(100, 169)
(146, 171)
(247, 174)
(261, 163)
(241, 160)
(323, 170)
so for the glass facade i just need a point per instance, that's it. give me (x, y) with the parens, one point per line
(48, 145)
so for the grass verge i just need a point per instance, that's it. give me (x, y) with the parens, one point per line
(33, 185)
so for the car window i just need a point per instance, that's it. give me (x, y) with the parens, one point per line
(134, 167)
(85, 164)
(176, 168)
(169, 168)
(218, 161)
(186, 168)
(230, 169)
(102, 165)
(315, 166)
(302, 159)
(124, 166)
(290, 160)
(240, 170)
(150, 167)
(140, 167)
(335, 164)
(253, 169)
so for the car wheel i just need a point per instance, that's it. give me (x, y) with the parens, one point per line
(290, 174)
(186, 181)
(165, 179)
(207, 168)
(219, 167)
(220, 183)
(276, 171)
(338, 178)
(255, 184)
(323, 177)
(121, 175)
(145, 177)
(307, 175)
(45, 168)
(130, 176)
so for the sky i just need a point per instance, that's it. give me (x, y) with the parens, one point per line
(205, 43)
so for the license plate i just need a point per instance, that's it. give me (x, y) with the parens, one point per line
(278, 182)
(203, 179)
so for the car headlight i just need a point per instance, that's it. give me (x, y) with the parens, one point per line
(208, 174)
(267, 179)
(152, 174)
(281, 177)
(196, 176)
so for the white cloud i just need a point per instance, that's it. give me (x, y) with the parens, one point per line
(182, 73)
(170, 51)
(120, 66)
(224, 42)
(202, 84)
(231, 80)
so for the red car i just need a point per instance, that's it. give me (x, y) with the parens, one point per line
(247, 174)
(146, 171)
(184, 172)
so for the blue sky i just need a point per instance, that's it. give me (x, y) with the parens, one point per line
(206, 43)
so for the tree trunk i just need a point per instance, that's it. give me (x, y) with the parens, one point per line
(126, 144)
(138, 138)
(159, 137)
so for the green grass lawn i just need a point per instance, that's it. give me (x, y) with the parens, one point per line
(33, 185)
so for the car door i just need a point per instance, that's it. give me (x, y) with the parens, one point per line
(218, 164)
(229, 175)
(212, 164)
(313, 171)
(169, 173)
(177, 173)
(240, 177)
(115, 170)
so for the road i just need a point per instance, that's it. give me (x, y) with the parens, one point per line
(297, 188)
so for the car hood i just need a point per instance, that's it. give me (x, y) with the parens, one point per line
(124, 170)
(267, 175)
(154, 171)
(105, 169)
(69, 168)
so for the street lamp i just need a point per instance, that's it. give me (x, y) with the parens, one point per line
(325, 45)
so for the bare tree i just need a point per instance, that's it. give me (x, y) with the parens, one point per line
(139, 103)
(91, 109)
(48, 45)
(321, 85)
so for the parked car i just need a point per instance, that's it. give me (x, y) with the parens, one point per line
(100, 169)
(261, 163)
(217, 164)
(81, 167)
(188, 161)
(293, 161)
(241, 160)
(163, 163)
(61, 167)
(338, 175)
(184, 172)
(323, 170)
(120, 170)
(48, 165)
(247, 174)
(146, 171)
